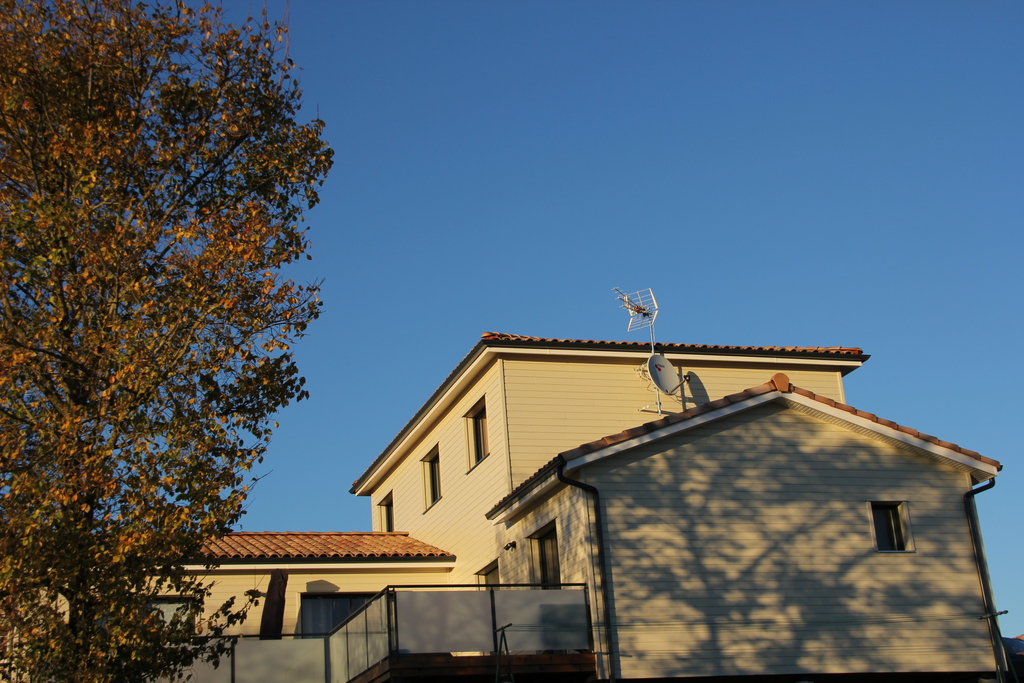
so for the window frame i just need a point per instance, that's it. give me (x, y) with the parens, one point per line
(541, 543)
(477, 434)
(897, 519)
(483, 576)
(432, 478)
(386, 513)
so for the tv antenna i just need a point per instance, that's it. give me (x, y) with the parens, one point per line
(643, 310)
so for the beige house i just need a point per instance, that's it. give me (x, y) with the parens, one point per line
(757, 526)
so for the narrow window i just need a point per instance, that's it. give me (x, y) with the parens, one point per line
(387, 513)
(488, 576)
(321, 612)
(478, 428)
(890, 526)
(545, 557)
(432, 476)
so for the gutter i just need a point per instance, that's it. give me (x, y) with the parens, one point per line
(601, 563)
(988, 599)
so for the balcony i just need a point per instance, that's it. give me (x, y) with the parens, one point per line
(431, 632)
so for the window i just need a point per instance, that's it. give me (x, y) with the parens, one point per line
(432, 476)
(488, 575)
(480, 448)
(890, 526)
(386, 509)
(170, 606)
(545, 557)
(321, 612)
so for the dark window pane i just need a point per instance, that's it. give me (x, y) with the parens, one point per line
(547, 558)
(888, 526)
(434, 466)
(321, 613)
(480, 445)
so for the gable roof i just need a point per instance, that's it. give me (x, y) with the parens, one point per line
(777, 388)
(334, 545)
(848, 357)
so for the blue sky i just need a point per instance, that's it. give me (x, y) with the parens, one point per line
(784, 173)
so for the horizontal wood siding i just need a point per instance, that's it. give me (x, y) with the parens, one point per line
(745, 547)
(557, 404)
(456, 522)
(572, 514)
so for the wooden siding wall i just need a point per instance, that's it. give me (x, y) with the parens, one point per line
(456, 522)
(235, 582)
(556, 404)
(745, 547)
(572, 513)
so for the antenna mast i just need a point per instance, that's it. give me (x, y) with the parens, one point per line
(643, 309)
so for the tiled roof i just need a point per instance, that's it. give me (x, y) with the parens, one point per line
(320, 545)
(820, 350)
(505, 339)
(779, 382)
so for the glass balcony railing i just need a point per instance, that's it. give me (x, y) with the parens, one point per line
(405, 621)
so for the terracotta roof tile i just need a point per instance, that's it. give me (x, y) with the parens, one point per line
(776, 381)
(825, 350)
(531, 481)
(320, 545)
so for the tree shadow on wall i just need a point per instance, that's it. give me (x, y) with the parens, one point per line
(745, 547)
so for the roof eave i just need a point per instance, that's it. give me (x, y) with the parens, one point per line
(359, 486)
(354, 561)
(702, 350)
(982, 469)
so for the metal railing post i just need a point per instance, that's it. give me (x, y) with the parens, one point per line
(494, 621)
(327, 659)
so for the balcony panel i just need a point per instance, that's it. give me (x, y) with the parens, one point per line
(358, 655)
(377, 630)
(338, 647)
(280, 661)
(543, 620)
(444, 621)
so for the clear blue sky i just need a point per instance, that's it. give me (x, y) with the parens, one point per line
(781, 173)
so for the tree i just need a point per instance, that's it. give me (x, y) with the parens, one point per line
(153, 174)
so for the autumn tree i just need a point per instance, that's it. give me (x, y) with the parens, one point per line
(153, 173)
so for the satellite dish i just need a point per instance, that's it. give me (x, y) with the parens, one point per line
(643, 310)
(663, 374)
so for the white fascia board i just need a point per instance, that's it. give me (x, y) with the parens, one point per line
(932, 449)
(672, 429)
(316, 566)
(524, 504)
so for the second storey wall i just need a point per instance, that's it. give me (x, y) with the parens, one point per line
(557, 404)
(456, 522)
